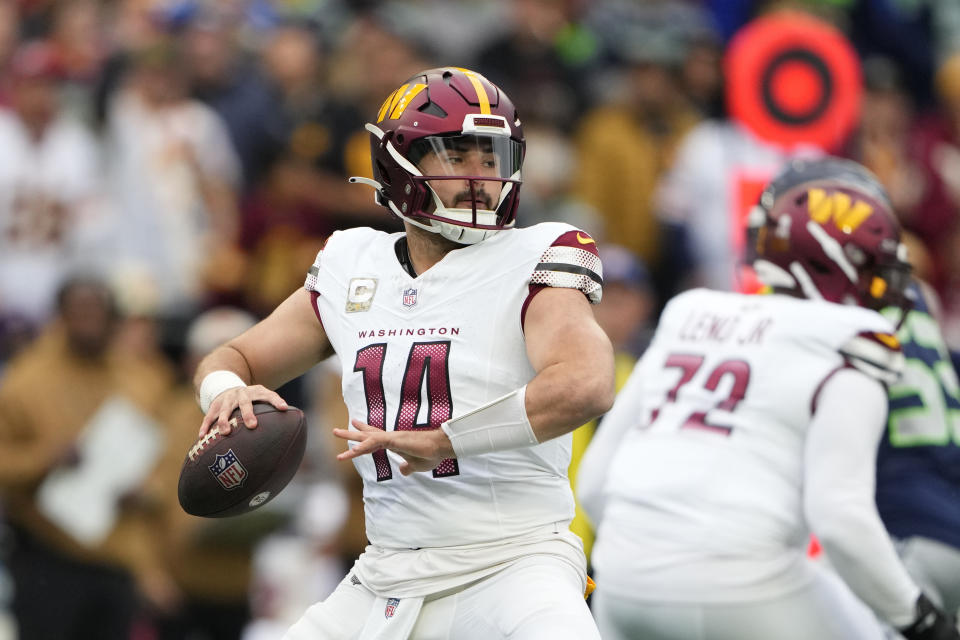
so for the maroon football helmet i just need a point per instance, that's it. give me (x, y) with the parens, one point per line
(825, 229)
(448, 134)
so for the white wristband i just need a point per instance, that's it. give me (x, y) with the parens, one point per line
(215, 383)
(496, 426)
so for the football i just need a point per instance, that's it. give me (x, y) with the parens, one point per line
(229, 475)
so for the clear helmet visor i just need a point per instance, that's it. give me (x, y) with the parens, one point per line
(467, 155)
(472, 178)
(470, 158)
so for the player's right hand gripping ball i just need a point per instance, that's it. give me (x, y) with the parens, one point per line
(229, 475)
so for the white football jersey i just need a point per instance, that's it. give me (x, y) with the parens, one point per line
(49, 215)
(711, 467)
(419, 351)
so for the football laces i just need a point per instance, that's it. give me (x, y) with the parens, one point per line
(204, 442)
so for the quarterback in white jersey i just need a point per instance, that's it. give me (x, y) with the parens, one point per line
(469, 354)
(753, 420)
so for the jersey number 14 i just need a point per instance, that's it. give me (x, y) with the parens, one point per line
(427, 362)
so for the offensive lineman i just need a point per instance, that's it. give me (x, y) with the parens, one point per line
(753, 420)
(470, 345)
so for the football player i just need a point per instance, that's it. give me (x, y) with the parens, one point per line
(469, 353)
(754, 419)
(918, 465)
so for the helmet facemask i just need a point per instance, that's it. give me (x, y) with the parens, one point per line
(886, 285)
(470, 182)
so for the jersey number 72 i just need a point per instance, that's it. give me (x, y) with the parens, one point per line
(689, 365)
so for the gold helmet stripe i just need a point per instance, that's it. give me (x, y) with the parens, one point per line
(482, 96)
(405, 99)
(391, 102)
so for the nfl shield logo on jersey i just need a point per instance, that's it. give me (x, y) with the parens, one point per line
(228, 471)
(392, 604)
(409, 297)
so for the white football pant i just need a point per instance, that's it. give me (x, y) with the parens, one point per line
(824, 609)
(536, 598)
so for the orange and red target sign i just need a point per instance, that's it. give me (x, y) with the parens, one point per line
(794, 79)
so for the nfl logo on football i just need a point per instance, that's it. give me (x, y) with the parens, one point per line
(392, 604)
(409, 297)
(228, 471)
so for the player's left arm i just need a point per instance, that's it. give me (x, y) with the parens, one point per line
(839, 486)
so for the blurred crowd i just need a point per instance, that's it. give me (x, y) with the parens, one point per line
(169, 169)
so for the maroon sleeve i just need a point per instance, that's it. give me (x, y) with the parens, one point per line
(573, 262)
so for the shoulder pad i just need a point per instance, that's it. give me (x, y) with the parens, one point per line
(571, 262)
(876, 354)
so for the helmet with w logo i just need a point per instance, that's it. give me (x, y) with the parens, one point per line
(825, 229)
(447, 148)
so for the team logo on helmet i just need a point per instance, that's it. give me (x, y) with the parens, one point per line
(825, 229)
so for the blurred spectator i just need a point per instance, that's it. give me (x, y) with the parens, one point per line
(936, 217)
(549, 167)
(15, 333)
(304, 194)
(173, 176)
(624, 24)
(9, 33)
(280, 229)
(945, 25)
(225, 77)
(319, 134)
(80, 41)
(364, 67)
(701, 77)
(625, 146)
(51, 219)
(544, 60)
(882, 140)
(900, 30)
(456, 29)
(67, 465)
(369, 60)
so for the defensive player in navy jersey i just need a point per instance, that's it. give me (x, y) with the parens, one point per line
(918, 464)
